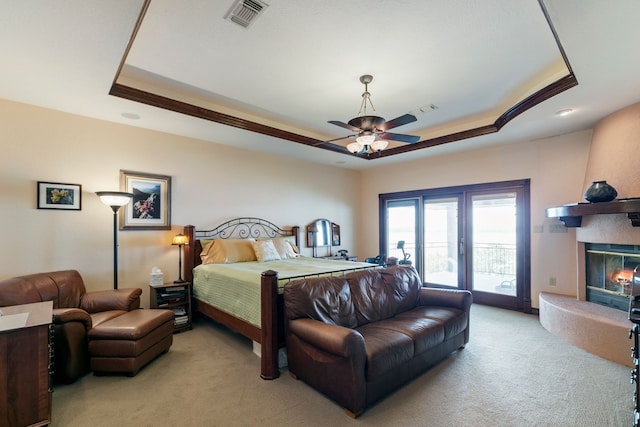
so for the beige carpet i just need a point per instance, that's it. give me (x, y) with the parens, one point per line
(512, 373)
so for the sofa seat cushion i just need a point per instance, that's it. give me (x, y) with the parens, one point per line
(424, 332)
(453, 320)
(104, 316)
(386, 349)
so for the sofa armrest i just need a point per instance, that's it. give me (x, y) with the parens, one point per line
(66, 315)
(112, 299)
(334, 339)
(455, 298)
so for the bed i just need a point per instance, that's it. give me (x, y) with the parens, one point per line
(246, 295)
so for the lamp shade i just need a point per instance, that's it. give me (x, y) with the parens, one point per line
(366, 139)
(114, 198)
(379, 144)
(354, 147)
(179, 239)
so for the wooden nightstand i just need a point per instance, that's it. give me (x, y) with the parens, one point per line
(176, 297)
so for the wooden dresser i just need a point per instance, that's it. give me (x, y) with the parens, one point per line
(25, 364)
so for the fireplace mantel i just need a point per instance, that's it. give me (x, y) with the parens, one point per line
(571, 214)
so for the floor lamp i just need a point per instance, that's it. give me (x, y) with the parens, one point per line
(115, 199)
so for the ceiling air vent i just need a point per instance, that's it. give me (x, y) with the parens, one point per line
(244, 12)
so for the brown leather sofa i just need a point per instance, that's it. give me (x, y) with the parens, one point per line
(76, 313)
(360, 336)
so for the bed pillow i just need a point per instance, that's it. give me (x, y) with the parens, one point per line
(265, 250)
(206, 245)
(209, 255)
(284, 247)
(283, 250)
(229, 251)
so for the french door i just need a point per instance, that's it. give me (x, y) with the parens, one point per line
(471, 237)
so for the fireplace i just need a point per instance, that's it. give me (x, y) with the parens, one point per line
(609, 273)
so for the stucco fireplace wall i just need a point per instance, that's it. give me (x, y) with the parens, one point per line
(614, 157)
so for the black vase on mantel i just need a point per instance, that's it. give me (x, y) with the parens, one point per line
(600, 191)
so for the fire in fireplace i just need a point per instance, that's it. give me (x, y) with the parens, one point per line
(610, 273)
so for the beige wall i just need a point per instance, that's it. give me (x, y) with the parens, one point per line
(211, 183)
(556, 168)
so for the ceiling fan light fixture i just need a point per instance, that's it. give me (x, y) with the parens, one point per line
(354, 147)
(379, 144)
(366, 139)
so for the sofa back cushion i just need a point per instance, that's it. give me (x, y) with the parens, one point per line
(64, 288)
(19, 290)
(327, 299)
(382, 293)
(354, 299)
(70, 287)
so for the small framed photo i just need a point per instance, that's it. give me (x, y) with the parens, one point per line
(55, 195)
(150, 208)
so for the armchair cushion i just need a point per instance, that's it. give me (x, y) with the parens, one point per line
(113, 299)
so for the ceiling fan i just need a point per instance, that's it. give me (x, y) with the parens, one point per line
(371, 131)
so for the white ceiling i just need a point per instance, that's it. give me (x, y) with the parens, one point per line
(298, 64)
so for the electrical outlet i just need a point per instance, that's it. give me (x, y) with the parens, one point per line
(557, 228)
(552, 281)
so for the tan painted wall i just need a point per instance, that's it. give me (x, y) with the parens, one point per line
(211, 183)
(556, 169)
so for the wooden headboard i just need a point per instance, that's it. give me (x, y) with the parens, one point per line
(238, 228)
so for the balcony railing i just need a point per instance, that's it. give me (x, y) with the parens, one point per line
(491, 258)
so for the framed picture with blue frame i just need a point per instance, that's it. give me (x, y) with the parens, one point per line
(150, 208)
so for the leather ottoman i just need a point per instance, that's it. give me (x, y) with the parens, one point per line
(123, 345)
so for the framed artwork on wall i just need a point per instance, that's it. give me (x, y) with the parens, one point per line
(55, 195)
(150, 208)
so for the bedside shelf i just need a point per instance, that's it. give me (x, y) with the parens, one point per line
(176, 297)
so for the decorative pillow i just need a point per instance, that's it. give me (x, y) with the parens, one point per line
(290, 239)
(284, 247)
(228, 251)
(265, 250)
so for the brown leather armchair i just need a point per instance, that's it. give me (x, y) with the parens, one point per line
(75, 312)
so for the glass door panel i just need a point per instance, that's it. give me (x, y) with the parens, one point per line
(401, 226)
(494, 224)
(441, 241)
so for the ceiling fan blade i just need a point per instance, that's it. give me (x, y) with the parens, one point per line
(332, 140)
(398, 121)
(344, 125)
(411, 139)
(332, 147)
